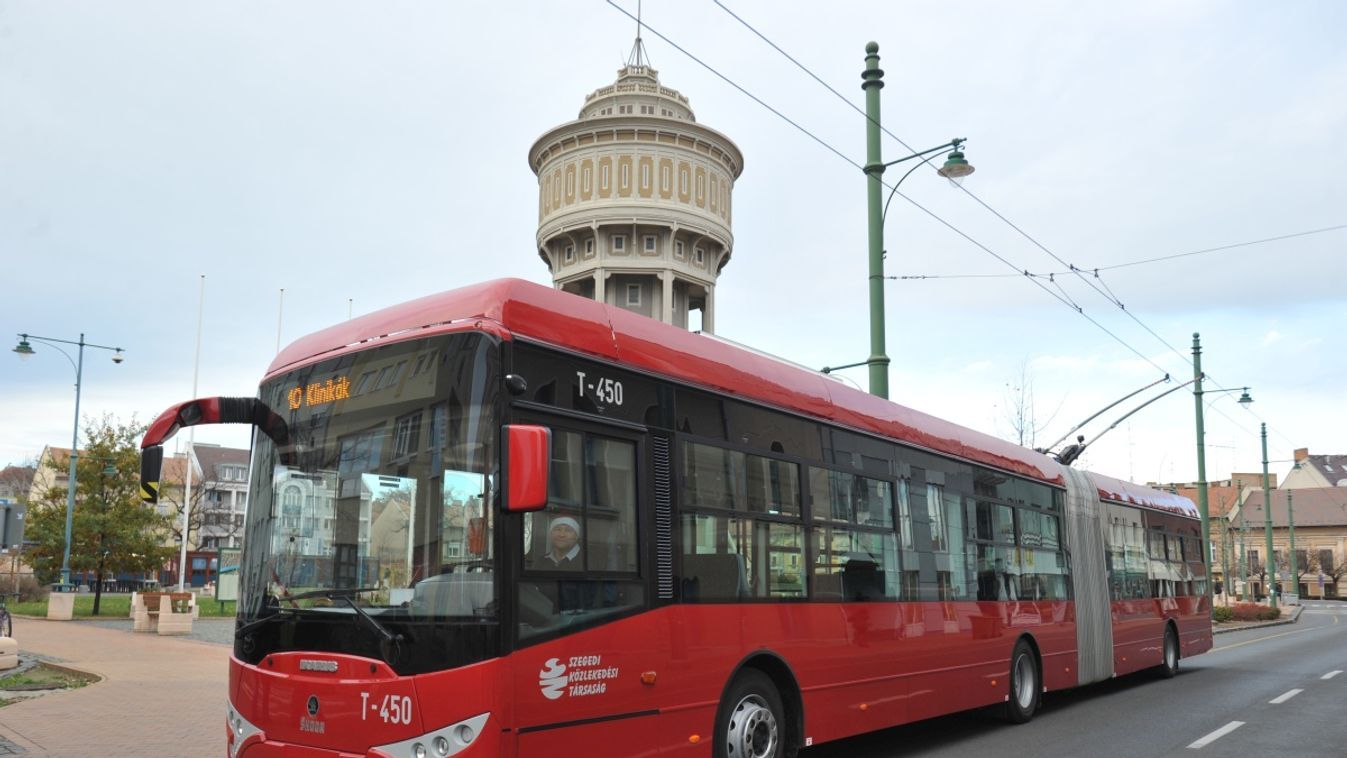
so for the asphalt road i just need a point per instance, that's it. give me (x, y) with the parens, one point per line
(1259, 692)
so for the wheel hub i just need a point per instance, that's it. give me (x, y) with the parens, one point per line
(753, 731)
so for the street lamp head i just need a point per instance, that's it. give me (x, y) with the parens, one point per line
(117, 356)
(1244, 399)
(24, 349)
(956, 167)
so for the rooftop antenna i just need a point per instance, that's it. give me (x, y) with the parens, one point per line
(638, 56)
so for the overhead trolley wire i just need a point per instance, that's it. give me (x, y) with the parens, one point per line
(1105, 292)
(1067, 301)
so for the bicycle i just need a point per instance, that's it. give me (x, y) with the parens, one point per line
(6, 620)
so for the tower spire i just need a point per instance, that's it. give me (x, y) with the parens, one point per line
(638, 56)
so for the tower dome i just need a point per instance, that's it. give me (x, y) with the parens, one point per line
(634, 200)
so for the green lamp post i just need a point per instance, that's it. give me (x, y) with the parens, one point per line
(25, 351)
(1202, 506)
(956, 167)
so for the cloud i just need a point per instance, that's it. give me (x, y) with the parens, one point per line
(1272, 338)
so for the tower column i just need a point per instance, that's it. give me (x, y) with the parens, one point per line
(709, 310)
(600, 280)
(666, 316)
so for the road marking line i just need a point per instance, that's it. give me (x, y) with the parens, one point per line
(1269, 637)
(1282, 698)
(1330, 675)
(1216, 735)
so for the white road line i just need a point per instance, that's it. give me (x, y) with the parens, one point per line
(1216, 735)
(1282, 698)
(1330, 675)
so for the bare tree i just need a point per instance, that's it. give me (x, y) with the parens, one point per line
(1019, 411)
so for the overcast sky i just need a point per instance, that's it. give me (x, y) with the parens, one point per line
(362, 154)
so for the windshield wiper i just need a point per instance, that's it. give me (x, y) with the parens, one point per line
(258, 623)
(389, 644)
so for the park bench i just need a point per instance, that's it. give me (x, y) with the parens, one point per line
(163, 612)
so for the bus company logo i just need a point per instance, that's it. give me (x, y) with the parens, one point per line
(552, 679)
(580, 676)
(313, 705)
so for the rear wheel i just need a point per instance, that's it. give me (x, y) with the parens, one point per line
(1169, 662)
(750, 723)
(1025, 685)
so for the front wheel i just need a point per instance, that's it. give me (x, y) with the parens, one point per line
(1025, 687)
(750, 723)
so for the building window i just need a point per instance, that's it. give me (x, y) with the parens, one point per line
(633, 294)
(650, 243)
(624, 109)
(589, 246)
(664, 179)
(619, 243)
(678, 249)
(570, 253)
(698, 255)
(626, 175)
(648, 110)
(585, 180)
(603, 177)
(645, 177)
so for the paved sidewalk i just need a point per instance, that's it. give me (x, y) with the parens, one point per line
(160, 696)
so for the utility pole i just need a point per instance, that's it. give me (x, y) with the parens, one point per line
(1267, 529)
(1295, 573)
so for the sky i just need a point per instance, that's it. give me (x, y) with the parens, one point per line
(357, 155)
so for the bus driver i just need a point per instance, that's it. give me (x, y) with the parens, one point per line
(563, 544)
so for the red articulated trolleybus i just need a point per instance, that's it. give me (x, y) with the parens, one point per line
(505, 519)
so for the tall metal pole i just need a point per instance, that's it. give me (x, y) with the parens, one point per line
(872, 82)
(70, 482)
(1267, 528)
(1226, 544)
(1243, 553)
(1202, 465)
(1291, 525)
(191, 438)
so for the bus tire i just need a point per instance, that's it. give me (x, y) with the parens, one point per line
(1026, 687)
(750, 722)
(1169, 660)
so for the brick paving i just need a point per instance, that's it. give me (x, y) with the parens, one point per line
(160, 696)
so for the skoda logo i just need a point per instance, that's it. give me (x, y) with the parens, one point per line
(313, 705)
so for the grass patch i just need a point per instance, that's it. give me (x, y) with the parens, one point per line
(44, 677)
(118, 606)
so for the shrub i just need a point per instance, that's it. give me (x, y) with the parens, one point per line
(1270, 614)
(31, 590)
(1248, 611)
(1222, 614)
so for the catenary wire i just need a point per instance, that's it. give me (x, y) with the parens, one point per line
(1108, 295)
(1064, 300)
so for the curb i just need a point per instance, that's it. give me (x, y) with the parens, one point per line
(1295, 616)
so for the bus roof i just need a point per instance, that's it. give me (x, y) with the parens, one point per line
(517, 308)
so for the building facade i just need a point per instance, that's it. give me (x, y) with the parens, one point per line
(1320, 518)
(635, 199)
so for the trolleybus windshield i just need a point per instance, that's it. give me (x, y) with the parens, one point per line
(378, 539)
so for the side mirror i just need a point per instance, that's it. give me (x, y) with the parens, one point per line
(151, 462)
(528, 458)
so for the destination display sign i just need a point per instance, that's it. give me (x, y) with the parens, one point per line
(319, 393)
